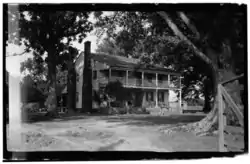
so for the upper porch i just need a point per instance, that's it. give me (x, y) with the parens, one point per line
(145, 79)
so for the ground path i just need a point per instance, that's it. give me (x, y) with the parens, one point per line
(112, 133)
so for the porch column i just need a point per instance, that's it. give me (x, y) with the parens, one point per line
(180, 102)
(156, 79)
(156, 98)
(142, 78)
(168, 80)
(144, 99)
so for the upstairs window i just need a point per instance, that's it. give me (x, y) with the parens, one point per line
(150, 78)
(77, 77)
(120, 74)
(161, 96)
(94, 75)
(77, 96)
(160, 77)
(149, 96)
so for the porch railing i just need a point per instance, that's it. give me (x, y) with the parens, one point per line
(138, 82)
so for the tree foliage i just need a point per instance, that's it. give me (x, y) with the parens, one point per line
(29, 91)
(219, 36)
(48, 33)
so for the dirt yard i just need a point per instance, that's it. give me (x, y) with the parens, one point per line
(111, 133)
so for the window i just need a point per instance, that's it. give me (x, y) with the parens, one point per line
(161, 96)
(77, 77)
(77, 96)
(94, 75)
(150, 78)
(160, 78)
(149, 96)
(120, 74)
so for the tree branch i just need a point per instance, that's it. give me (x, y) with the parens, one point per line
(107, 27)
(178, 33)
(186, 20)
(15, 54)
(197, 52)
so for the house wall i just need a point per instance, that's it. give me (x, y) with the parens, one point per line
(172, 96)
(103, 77)
(79, 65)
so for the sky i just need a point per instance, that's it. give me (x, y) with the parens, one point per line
(13, 63)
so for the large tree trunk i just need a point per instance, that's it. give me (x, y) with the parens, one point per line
(71, 84)
(51, 101)
(207, 101)
(206, 123)
(211, 59)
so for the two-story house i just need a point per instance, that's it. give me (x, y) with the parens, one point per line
(150, 87)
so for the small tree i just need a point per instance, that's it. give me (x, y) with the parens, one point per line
(116, 92)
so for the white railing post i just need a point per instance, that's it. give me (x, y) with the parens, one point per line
(221, 120)
(180, 95)
(156, 98)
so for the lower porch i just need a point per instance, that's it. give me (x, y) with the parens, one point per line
(153, 99)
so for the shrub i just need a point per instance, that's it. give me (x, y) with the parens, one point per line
(30, 107)
(138, 110)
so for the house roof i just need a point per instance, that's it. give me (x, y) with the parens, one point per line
(116, 61)
(128, 63)
(112, 60)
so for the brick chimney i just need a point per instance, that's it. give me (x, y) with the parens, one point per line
(87, 79)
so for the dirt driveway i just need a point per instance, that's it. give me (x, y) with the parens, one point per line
(111, 133)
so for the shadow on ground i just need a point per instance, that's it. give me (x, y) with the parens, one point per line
(155, 120)
(40, 117)
(138, 120)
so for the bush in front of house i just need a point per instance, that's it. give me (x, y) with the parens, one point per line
(138, 110)
(30, 107)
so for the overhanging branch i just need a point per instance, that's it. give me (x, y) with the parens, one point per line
(15, 54)
(178, 33)
(197, 52)
(186, 20)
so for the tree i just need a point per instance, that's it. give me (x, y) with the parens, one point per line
(110, 47)
(213, 40)
(35, 67)
(37, 71)
(217, 46)
(29, 92)
(47, 32)
(153, 45)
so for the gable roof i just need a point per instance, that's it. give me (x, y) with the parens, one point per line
(115, 61)
(125, 62)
